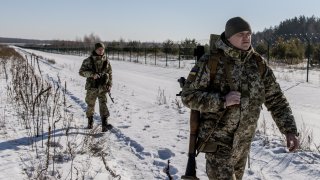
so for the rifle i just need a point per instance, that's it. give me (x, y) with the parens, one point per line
(101, 80)
(167, 171)
(109, 93)
(102, 75)
(191, 164)
(194, 124)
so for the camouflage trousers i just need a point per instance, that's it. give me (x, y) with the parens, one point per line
(219, 166)
(91, 97)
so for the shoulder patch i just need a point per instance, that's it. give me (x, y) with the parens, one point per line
(194, 70)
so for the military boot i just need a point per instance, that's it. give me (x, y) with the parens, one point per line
(90, 122)
(105, 125)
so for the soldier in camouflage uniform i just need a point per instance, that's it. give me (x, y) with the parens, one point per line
(231, 102)
(97, 70)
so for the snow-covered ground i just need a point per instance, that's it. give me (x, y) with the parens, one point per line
(151, 128)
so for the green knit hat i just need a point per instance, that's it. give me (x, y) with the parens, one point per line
(236, 25)
(99, 45)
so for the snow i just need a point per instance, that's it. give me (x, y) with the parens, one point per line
(150, 127)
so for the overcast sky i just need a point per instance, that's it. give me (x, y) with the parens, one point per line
(143, 20)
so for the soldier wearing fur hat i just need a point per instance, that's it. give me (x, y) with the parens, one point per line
(98, 71)
(229, 98)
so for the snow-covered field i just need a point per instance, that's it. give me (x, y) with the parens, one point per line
(151, 128)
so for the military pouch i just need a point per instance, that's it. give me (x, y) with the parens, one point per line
(211, 147)
(207, 147)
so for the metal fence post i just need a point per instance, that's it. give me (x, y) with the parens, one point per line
(155, 56)
(179, 56)
(145, 55)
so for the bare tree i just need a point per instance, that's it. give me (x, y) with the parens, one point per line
(91, 38)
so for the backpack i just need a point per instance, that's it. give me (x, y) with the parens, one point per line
(215, 56)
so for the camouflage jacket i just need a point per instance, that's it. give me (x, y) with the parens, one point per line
(237, 126)
(96, 65)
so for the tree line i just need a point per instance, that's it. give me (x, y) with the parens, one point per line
(86, 45)
(292, 41)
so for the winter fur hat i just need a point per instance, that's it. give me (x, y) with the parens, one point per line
(236, 25)
(99, 45)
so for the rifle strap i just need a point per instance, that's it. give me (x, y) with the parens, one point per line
(93, 65)
(228, 72)
(214, 60)
(212, 65)
(202, 144)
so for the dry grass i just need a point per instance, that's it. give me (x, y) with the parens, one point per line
(43, 110)
(8, 53)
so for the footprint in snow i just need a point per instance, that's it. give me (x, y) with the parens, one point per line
(165, 154)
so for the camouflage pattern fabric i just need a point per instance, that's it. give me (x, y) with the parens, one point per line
(236, 128)
(88, 69)
(96, 89)
(91, 97)
(218, 166)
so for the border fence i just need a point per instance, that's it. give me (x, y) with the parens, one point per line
(282, 48)
(291, 48)
(177, 57)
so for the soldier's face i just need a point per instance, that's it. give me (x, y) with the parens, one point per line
(241, 40)
(100, 51)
